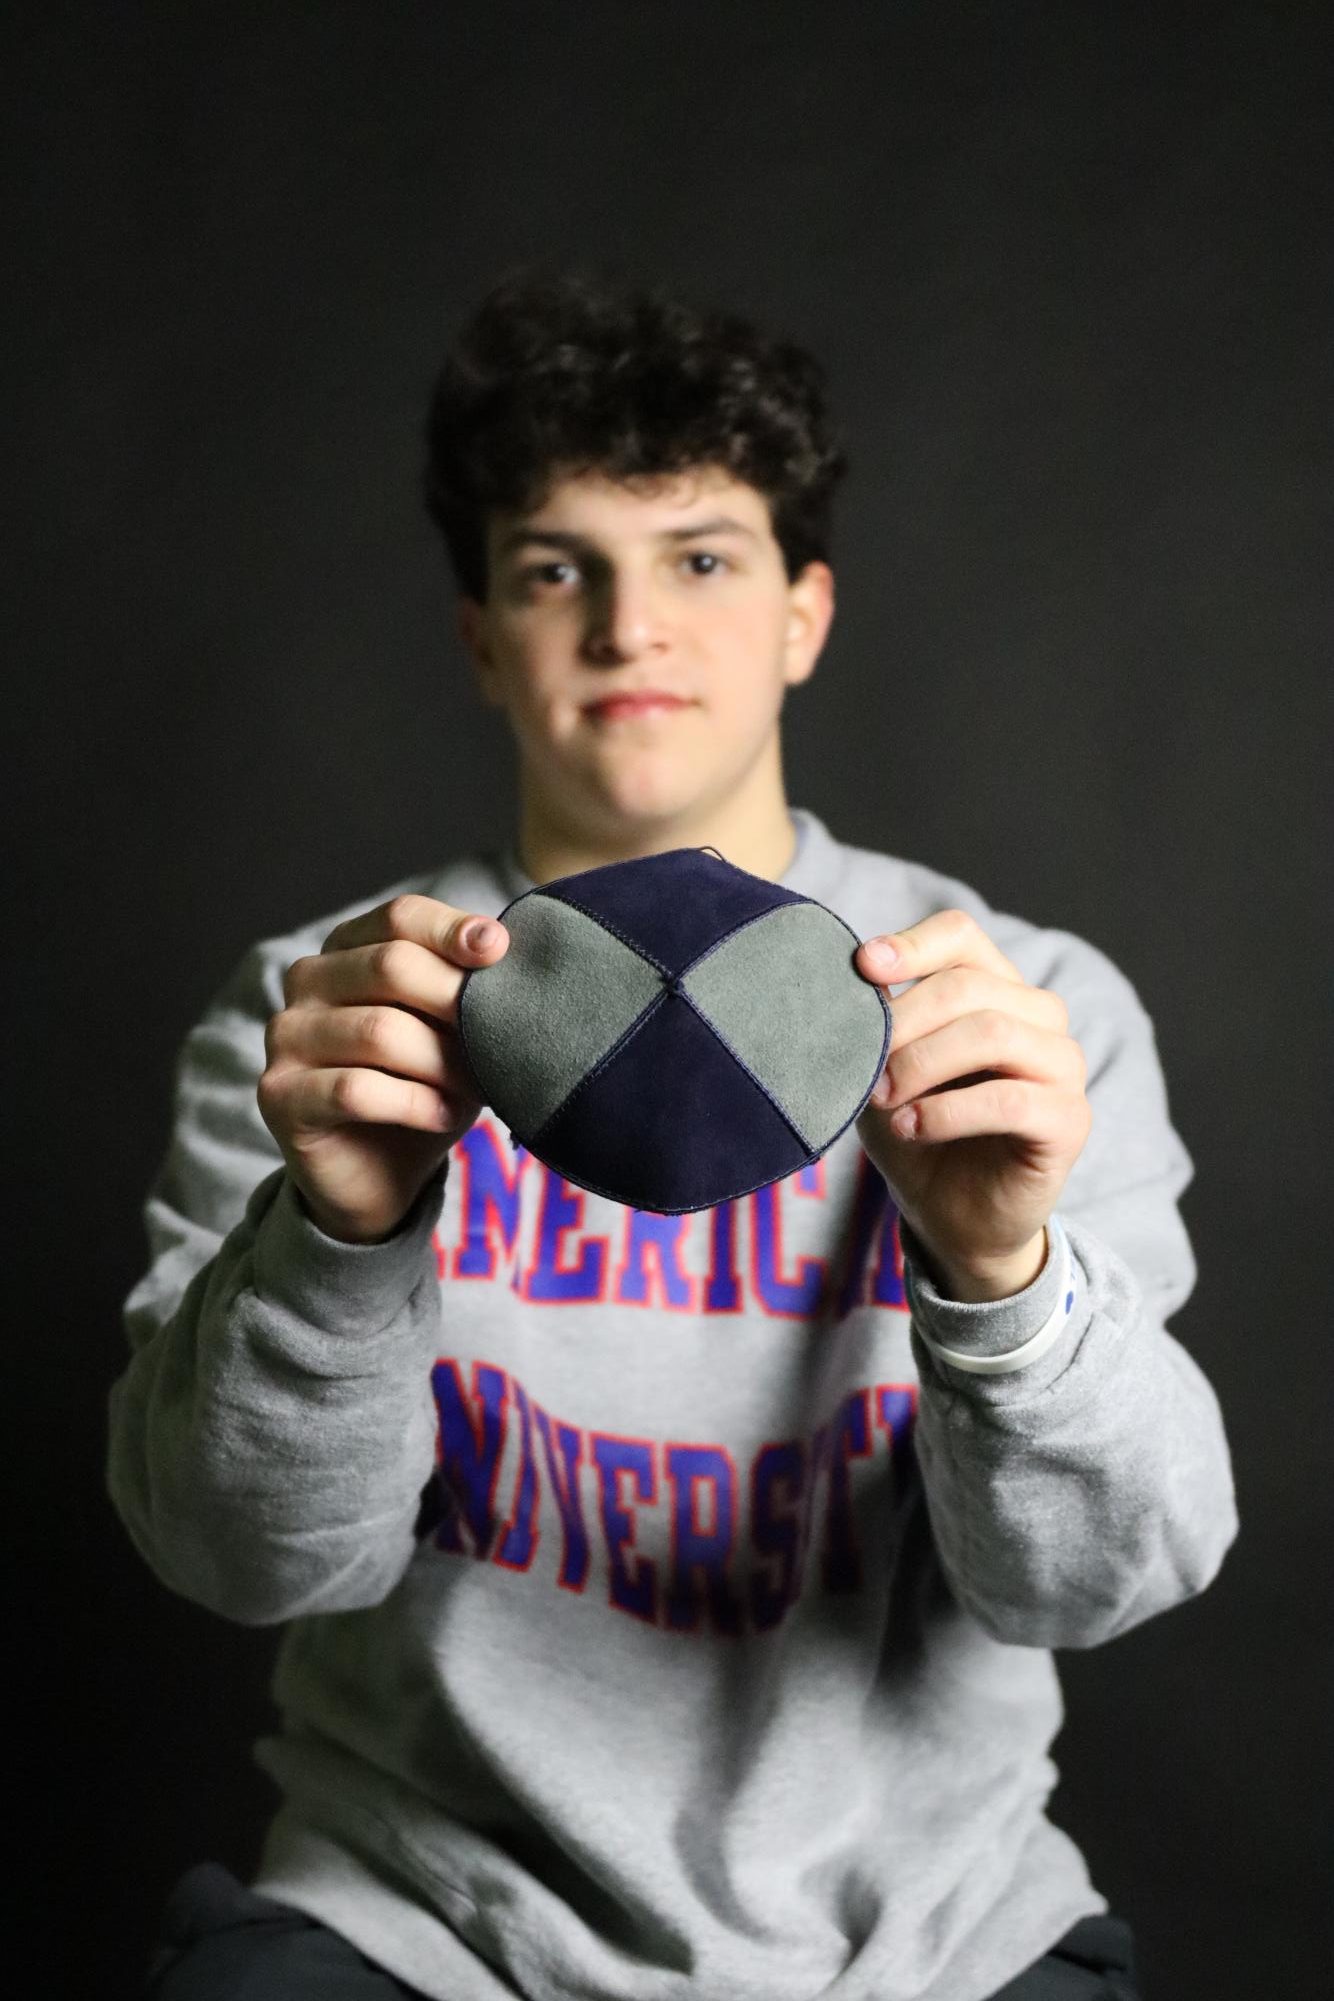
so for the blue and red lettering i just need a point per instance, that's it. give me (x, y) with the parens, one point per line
(550, 1278)
(564, 1455)
(895, 1413)
(797, 1293)
(518, 1544)
(617, 1460)
(489, 1202)
(702, 1551)
(777, 1482)
(651, 1273)
(471, 1444)
(722, 1289)
(695, 1563)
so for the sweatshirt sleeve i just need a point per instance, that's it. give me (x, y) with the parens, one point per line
(271, 1436)
(1078, 1495)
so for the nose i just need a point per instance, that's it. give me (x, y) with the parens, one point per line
(625, 620)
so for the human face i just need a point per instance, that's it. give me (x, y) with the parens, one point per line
(640, 638)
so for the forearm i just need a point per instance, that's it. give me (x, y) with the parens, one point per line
(271, 1435)
(1073, 1498)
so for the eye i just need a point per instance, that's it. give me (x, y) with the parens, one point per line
(706, 556)
(541, 572)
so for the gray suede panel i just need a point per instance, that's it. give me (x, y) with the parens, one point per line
(784, 994)
(536, 1022)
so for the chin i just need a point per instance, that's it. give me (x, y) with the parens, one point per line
(644, 819)
(647, 795)
(644, 814)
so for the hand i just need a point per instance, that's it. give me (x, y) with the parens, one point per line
(366, 1087)
(997, 1086)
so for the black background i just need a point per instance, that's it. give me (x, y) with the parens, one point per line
(1067, 268)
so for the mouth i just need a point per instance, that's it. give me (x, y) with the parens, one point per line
(615, 708)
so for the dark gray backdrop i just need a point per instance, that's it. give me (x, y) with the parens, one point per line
(1067, 268)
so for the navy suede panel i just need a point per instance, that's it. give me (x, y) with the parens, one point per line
(671, 907)
(670, 1122)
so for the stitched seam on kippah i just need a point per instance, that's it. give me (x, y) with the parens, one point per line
(788, 898)
(813, 1152)
(657, 1001)
(650, 1008)
(758, 1082)
(758, 917)
(597, 918)
(812, 1149)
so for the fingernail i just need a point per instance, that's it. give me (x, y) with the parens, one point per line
(480, 935)
(883, 952)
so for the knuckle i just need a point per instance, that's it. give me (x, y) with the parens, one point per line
(375, 1029)
(271, 1090)
(345, 1092)
(403, 910)
(390, 961)
(294, 978)
(1059, 1009)
(937, 1115)
(959, 987)
(998, 1027)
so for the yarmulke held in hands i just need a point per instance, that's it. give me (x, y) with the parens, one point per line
(673, 1032)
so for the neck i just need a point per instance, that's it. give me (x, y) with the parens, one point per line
(755, 835)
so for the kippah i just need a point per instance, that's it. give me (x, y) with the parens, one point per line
(673, 1032)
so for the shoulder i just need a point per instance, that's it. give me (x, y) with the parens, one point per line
(882, 893)
(254, 984)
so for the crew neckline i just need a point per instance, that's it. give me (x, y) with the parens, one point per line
(808, 872)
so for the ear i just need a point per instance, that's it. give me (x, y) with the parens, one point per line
(809, 615)
(471, 625)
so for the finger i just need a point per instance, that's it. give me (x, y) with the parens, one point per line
(945, 938)
(381, 1038)
(394, 971)
(464, 937)
(316, 1101)
(964, 990)
(991, 1041)
(1055, 1121)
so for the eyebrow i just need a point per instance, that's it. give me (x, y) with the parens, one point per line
(555, 538)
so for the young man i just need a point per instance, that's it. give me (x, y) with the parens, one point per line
(670, 1600)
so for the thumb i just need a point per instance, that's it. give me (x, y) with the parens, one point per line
(477, 941)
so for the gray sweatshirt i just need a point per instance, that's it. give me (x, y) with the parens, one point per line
(664, 1616)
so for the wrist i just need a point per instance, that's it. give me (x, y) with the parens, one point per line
(979, 1284)
(335, 1228)
(985, 1338)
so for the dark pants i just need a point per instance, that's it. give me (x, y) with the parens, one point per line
(220, 1942)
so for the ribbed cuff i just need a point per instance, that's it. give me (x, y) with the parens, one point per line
(342, 1289)
(1018, 1333)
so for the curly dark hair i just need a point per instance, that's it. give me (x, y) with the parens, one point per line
(562, 372)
